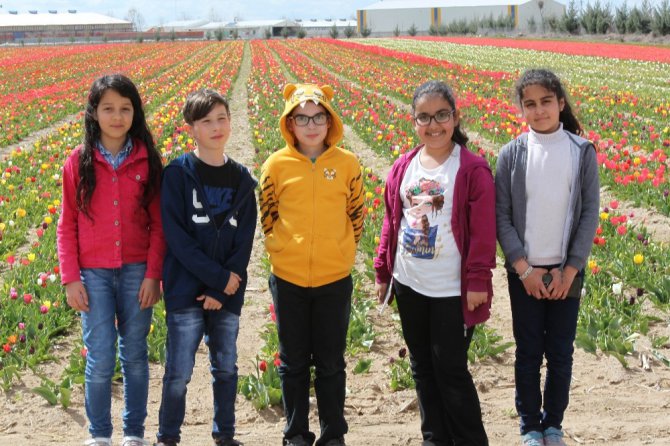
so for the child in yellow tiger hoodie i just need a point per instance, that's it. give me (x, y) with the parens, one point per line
(311, 202)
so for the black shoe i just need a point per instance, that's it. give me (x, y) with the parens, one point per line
(335, 442)
(295, 441)
(227, 442)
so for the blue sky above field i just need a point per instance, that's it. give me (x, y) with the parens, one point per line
(157, 12)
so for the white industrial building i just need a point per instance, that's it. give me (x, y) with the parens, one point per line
(251, 29)
(55, 24)
(323, 28)
(384, 17)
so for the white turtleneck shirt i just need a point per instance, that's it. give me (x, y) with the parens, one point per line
(548, 184)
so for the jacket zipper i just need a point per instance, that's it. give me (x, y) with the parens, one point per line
(311, 245)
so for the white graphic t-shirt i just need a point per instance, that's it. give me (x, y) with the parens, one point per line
(427, 259)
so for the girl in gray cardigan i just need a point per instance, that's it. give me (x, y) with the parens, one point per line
(547, 202)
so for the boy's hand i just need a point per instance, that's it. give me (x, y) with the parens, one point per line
(77, 297)
(210, 303)
(233, 284)
(150, 293)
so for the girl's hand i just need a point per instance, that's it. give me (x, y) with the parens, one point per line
(534, 285)
(556, 284)
(77, 297)
(476, 298)
(380, 291)
(210, 303)
(150, 293)
(233, 284)
(567, 276)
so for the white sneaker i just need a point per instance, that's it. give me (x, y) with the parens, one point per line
(98, 441)
(134, 441)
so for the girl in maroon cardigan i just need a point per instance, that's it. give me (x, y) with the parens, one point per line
(437, 251)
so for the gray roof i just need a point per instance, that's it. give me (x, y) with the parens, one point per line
(328, 23)
(184, 24)
(61, 18)
(241, 24)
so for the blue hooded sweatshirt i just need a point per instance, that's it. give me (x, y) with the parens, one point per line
(200, 256)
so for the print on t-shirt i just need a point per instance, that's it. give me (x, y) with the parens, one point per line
(427, 199)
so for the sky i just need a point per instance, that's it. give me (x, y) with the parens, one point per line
(157, 12)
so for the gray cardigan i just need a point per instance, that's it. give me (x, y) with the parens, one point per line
(581, 223)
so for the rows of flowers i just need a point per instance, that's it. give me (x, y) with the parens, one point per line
(33, 311)
(627, 269)
(34, 94)
(604, 50)
(31, 175)
(638, 261)
(631, 133)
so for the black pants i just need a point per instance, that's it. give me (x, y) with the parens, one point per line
(312, 325)
(438, 343)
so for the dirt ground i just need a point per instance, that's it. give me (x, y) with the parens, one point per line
(609, 405)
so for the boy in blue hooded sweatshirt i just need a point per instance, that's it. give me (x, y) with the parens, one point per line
(209, 214)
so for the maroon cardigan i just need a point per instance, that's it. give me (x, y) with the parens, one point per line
(473, 223)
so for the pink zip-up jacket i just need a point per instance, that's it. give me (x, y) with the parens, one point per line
(120, 230)
(473, 223)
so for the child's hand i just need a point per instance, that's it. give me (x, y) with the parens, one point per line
(476, 298)
(210, 303)
(233, 284)
(380, 291)
(150, 293)
(534, 285)
(77, 297)
(562, 281)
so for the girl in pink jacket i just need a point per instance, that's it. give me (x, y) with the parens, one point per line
(110, 248)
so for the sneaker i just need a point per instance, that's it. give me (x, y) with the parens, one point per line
(335, 442)
(134, 441)
(532, 438)
(166, 443)
(553, 437)
(227, 442)
(98, 441)
(295, 441)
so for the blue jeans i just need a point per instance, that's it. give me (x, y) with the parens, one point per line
(438, 342)
(186, 328)
(114, 312)
(542, 328)
(312, 326)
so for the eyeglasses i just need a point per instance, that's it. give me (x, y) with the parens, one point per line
(442, 116)
(303, 120)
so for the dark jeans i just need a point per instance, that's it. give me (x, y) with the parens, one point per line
(185, 330)
(438, 343)
(542, 328)
(312, 324)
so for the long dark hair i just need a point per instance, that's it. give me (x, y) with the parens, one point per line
(548, 80)
(138, 130)
(439, 88)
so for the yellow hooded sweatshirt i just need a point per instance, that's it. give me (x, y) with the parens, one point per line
(311, 211)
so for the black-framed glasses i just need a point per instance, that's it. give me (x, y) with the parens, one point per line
(442, 116)
(303, 120)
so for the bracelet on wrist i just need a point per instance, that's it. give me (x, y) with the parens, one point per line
(526, 273)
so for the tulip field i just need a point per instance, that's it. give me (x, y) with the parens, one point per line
(622, 101)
